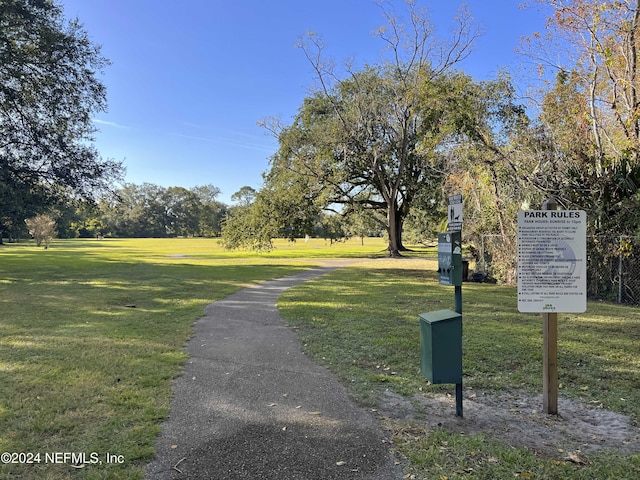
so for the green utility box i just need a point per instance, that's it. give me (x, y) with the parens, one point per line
(441, 346)
(450, 258)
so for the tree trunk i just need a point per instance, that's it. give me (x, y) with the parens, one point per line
(399, 227)
(394, 230)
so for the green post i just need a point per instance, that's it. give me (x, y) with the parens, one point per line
(458, 307)
(450, 273)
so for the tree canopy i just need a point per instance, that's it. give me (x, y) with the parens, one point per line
(49, 90)
(365, 140)
(590, 107)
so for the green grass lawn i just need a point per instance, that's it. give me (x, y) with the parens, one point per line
(362, 322)
(92, 334)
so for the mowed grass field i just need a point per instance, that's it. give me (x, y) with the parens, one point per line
(362, 323)
(92, 335)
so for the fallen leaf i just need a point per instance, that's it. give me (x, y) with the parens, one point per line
(525, 475)
(574, 458)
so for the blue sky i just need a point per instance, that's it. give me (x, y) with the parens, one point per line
(190, 79)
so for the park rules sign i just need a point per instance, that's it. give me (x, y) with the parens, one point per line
(552, 261)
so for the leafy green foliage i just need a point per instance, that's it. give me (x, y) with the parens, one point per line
(150, 210)
(275, 213)
(589, 126)
(48, 93)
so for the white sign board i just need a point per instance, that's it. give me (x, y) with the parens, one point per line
(552, 261)
(455, 213)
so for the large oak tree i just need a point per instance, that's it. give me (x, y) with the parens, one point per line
(365, 140)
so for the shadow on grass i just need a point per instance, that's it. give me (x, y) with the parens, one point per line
(363, 323)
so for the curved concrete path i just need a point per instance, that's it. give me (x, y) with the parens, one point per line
(251, 405)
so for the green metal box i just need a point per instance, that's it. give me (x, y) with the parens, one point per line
(450, 258)
(441, 346)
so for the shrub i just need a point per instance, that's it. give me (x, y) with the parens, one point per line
(42, 228)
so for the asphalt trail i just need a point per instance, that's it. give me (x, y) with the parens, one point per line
(251, 405)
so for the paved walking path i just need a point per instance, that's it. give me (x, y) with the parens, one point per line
(251, 405)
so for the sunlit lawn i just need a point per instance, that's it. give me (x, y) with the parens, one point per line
(92, 333)
(362, 322)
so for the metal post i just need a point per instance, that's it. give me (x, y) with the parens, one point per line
(620, 270)
(458, 308)
(550, 349)
(459, 400)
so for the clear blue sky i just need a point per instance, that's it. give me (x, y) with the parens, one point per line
(190, 79)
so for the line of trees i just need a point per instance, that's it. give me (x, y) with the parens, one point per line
(150, 210)
(145, 210)
(154, 211)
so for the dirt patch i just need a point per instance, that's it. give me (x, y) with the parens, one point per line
(516, 419)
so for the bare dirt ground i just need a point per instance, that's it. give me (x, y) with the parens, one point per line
(516, 419)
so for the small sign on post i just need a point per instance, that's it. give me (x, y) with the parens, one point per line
(450, 258)
(454, 218)
(450, 267)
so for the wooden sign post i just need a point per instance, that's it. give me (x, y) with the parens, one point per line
(550, 350)
(550, 363)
